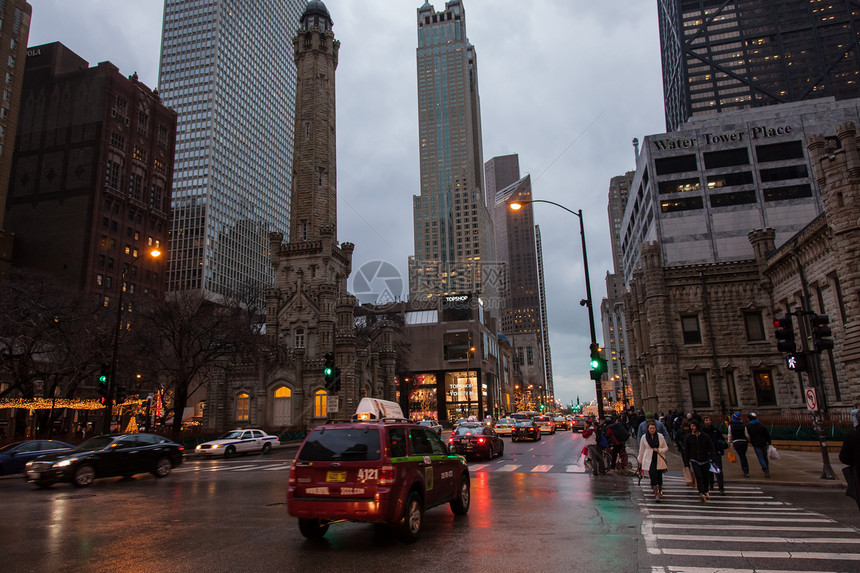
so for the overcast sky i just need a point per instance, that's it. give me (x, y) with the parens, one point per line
(566, 84)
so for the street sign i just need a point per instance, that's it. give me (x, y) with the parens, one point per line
(811, 399)
(332, 405)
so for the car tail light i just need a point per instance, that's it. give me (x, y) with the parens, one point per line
(181, 448)
(292, 480)
(387, 475)
(481, 440)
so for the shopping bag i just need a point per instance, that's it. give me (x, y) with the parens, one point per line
(772, 452)
(714, 468)
(689, 478)
(731, 456)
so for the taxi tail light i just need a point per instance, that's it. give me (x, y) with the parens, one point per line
(387, 475)
(292, 480)
(481, 440)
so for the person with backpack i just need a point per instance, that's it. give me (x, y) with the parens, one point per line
(699, 451)
(760, 440)
(593, 438)
(720, 446)
(617, 435)
(739, 441)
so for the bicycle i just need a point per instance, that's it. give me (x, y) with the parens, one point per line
(623, 465)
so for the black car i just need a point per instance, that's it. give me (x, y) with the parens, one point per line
(14, 456)
(476, 440)
(107, 456)
(525, 430)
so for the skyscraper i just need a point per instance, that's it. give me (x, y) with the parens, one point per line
(453, 232)
(517, 245)
(227, 69)
(723, 55)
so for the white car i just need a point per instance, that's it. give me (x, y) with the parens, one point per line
(239, 442)
(433, 425)
(505, 426)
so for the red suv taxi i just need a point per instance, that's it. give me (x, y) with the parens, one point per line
(387, 470)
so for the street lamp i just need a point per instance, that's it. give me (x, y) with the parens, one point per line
(516, 206)
(469, 355)
(155, 253)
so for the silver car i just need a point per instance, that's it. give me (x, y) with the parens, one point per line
(433, 425)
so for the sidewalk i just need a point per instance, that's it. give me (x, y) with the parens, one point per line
(792, 468)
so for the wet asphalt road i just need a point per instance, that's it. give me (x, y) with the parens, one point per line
(230, 515)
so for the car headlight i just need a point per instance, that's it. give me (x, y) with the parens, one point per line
(64, 463)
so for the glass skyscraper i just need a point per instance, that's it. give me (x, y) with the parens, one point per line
(227, 69)
(721, 55)
(453, 231)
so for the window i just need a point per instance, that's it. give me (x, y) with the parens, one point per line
(764, 392)
(783, 173)
(100, 280)
(754, 325)
(456, 345)
(243, 406)
(680, 185)
(117, 141)
(729, 199)
(690, 326)
(786, 193)
(135, 186)
(699, 390)
(779, 151)
(320, 404)
(300, 338)
(688, 204)
(111, 174)
(530, 355)
(730, 179)
(678, 164)
(730, 385)
(727, 158)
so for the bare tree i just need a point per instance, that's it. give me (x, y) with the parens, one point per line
(186, 336)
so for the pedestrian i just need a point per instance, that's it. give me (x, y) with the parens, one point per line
(739, 441)
(680, 443)
(595, 451)
(660, 428)
(854, 414)
(617, 436)
(760, 440)
(850, 456)
(720, 446)
(652, 455)
(699, 450)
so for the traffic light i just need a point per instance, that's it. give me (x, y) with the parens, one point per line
(104, 383)
(821, 332)
(798, 362)
(784, 332)
(598, 364)
(328, 372)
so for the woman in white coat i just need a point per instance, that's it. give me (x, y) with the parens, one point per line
(652, 456)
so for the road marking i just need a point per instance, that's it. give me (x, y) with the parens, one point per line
(258, 467)
(755, 554)
(736, 517)
(684, 569)
(541, 469)
(282, 466)
(478, 468)
(576, 469)
(657, 511)
(508, 468)
(686, 526)
(711, 538)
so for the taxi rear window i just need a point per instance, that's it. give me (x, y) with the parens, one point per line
(341, 444)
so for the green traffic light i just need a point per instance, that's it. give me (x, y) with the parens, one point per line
(102, 378)
(595, 364)
(328, 371)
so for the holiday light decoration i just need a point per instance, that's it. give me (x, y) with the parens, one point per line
(59, 403)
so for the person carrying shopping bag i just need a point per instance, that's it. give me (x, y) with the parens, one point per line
(699, 450)
(652, 455)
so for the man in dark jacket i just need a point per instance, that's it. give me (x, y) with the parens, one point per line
(617, 436)
(760, 439)
(850, 456)
(720, 446)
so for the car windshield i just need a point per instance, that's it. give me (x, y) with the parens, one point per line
(96, 443)
(426, 423)
(524, 423)
(469, 429)
(507, 421)
(234, 435)
(341, 444)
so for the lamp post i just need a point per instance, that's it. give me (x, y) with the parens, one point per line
(469, 354)
(117, 327)
(516, 206)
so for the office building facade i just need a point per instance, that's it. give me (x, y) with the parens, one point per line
(14, 30)
(227, 70)
(523, 310)
(91, 178)
(453, 234)
(722, 55)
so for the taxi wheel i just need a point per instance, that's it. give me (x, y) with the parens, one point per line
(460, 504)
(230, 452)
(267, 448)
(413, 519)
(84, 476)
(312, 528)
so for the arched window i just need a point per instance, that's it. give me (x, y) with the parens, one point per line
(320, 404)
(283, 392)
(243, 406)
(282, 406)
(300, 338)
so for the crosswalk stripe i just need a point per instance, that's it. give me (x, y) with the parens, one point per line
(508, 468)
(755, 554)
(541, 468)
(735, 517)
(252, 468)
(576, 469)
(685, 569)
(714, 539)
(686, 526)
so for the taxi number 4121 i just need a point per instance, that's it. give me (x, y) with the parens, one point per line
(368, 474)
